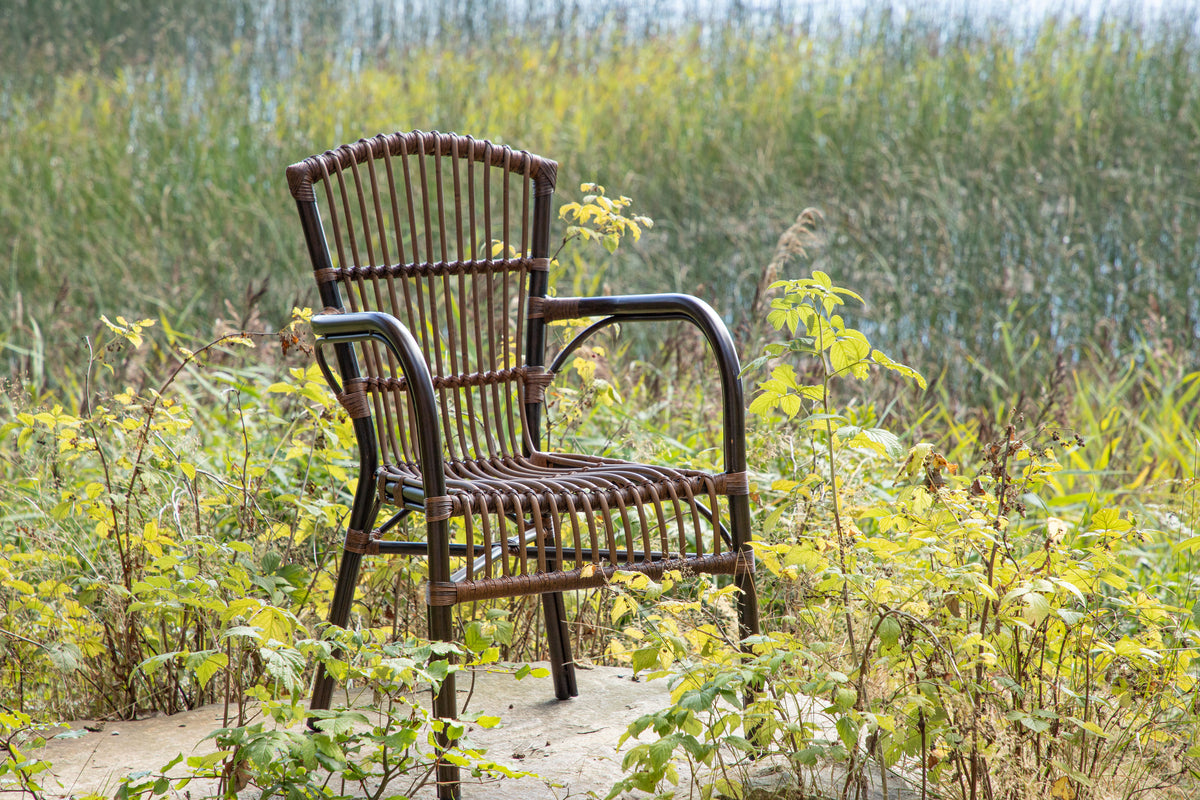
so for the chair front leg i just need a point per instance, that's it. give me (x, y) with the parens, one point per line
(441, 628)
(739, 514)
(445, 707)
(562, 666)
(339, 615)
(362, 518)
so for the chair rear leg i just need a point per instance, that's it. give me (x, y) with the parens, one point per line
(562, 666)
(558, 637)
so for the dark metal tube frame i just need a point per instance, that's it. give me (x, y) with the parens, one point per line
(668, 307)
(353, 327)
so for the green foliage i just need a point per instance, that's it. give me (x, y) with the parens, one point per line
(600, 218)
(989, 633)
(195, 572)
(138, 551)
(16, 742)
(376, 744)
(806, 311)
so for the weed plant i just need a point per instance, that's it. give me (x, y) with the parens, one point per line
(1017, 622)
(169, 539)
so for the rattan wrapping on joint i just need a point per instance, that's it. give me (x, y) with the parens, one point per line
(437, 508)
(733, 483)
(553, 309)
(361, 542)
(354, 399)
(536, 383)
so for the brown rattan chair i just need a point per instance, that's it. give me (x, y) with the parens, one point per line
(430, 252)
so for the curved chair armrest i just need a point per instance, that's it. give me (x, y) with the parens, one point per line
(654, 307)
(384, 328)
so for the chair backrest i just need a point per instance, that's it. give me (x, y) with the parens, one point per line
(451, 235)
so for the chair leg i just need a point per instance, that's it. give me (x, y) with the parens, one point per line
(562, 666)
(445, 707)
(558, 638)
(339, 614)
(739, 517)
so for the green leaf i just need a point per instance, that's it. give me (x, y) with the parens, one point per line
(645, 658)
(1070, 617)
(847, 732)
(773, 520)
(790, 404)
(880, 440)
(1037, 607)
(764, 403)
(885, 361)
(1032, 723)
(475, 640)
(889, 631)
(1109, 519)
(1090, 727)
(208, 760)
(848, 350)
(65, 656)
(206, 664)
(344, 722)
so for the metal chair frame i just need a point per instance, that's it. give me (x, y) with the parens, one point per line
(389, 373)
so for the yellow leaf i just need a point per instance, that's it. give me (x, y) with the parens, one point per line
(1062, 789)
(916, 459)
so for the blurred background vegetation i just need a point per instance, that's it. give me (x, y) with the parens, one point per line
(1008, 189)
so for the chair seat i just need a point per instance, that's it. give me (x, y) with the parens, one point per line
(526, 514)
(556, 483)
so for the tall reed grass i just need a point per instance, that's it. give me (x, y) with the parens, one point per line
(971, 178)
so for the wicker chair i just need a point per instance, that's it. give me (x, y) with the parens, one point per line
(430, 252)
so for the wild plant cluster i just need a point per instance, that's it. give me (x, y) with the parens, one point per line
(1003, 622)
(993, 606)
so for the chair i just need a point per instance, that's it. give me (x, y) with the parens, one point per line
(431, 255)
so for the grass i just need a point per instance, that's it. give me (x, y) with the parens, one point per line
(969, 177)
